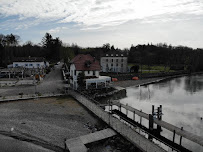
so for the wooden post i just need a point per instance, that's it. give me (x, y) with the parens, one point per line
(159, 116)
(152, 110)
(151, 125)
(174, 134)
(134, 115)
(126, 110)
(140, 117)
(181, 137)
(158, 127)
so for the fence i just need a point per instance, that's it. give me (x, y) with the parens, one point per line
(137, 139)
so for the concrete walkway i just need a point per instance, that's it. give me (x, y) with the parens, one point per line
(78, 144)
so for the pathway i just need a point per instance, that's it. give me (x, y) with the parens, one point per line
(78, 144)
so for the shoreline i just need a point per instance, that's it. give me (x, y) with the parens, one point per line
(146, 81)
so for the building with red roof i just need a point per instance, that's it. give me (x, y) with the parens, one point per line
(89, 66)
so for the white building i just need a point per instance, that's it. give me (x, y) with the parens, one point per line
(90, 67)
(30, 62)
(114, 62)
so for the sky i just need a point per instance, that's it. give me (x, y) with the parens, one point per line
(91, 23)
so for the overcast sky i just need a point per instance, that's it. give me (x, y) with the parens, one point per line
(95, 22)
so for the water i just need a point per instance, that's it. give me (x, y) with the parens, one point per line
(182, 102)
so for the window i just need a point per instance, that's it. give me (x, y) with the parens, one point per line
(112, 60)
(26, 64)
(74, 72)
(121, 65)
(106, 65)
(106, 60)
(117, 64)
(121, 60)
(16, 65)
(88, 72)
(116, 60)
(112, 64)
(30, 65)
(93, 72)
(38, 65)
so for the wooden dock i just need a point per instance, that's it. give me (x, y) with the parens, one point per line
(78, 144)
(123, 129)
(195, 138)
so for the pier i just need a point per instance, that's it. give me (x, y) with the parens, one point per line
(160, 123)
(123, 129)
(128, 126)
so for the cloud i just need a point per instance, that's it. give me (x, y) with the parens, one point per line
(57, 30)
(91, 13)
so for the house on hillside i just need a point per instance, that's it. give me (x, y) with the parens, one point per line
(114, 62)
(90, 68)
(30, 62)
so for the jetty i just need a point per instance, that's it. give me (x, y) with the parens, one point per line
(127, 127)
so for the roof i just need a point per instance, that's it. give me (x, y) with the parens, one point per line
(114, 54)
(84, 62)
(29, 59)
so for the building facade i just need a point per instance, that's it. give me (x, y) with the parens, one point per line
(30, 62)
(114, 63)
(89, 66)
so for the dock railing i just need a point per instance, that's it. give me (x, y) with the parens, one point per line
(179, 131)
(137, 139)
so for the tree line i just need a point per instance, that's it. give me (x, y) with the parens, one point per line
(53, 49)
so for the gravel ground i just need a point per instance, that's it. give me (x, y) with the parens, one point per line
(50, 119)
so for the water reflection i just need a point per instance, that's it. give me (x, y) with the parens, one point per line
(193, 84)
(182, 103)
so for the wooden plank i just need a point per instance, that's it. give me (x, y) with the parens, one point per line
(195, 138)
(138, 112)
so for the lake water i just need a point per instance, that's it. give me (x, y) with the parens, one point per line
(182, 104)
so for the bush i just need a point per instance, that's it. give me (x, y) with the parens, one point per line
(134, 69)
(177, 67)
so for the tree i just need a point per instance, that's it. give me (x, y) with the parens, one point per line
(106, 46)
(47, 40)
(12, 40)
(52, 46)
(134, 69)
